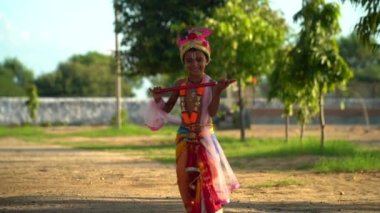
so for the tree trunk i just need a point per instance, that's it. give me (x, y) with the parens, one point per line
(322, 119)
(287, 121)
(241, 112)
(302, 130)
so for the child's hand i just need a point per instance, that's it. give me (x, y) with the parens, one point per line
(223, 84)
(157, 97)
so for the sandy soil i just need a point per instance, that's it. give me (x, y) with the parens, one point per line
(45, 178)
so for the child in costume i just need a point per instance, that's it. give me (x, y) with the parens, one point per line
(205, 178)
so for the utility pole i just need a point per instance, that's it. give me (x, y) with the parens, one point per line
(118, 73)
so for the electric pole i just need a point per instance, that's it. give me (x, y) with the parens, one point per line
(118, 73)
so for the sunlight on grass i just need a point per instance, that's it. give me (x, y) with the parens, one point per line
(126, 130)
(255, 148)
(26, 132)
(362, 161)
(337, 156)
(30, 132)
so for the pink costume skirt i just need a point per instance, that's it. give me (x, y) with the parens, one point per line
(211, 178)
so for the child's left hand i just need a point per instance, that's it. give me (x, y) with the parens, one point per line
(223, 84)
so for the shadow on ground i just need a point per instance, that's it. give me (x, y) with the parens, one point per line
(141, 205)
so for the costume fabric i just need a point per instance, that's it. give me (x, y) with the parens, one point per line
(211, 177)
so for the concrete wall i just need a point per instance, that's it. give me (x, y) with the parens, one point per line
(99, 111)
(354, 111)
(69, 111)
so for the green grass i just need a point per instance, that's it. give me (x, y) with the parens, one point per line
(126, 130)
(269, 148)
(27, 133)
(337, 156)
(362, 161)
(32, 132)
(157, 150)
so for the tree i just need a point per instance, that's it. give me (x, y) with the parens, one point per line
(89, 75)
(281, 85)
(247, 34)
(318, 66)
(307, 102)
(32, 102)
(365, 63)
(150, 29)
(284, 88)
(368, 27)
(14, 78)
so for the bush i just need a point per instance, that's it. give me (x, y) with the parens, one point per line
(124, 118)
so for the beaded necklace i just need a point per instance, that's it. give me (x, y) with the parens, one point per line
(196, 97)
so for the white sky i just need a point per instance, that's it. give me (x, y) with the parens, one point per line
(43, 33)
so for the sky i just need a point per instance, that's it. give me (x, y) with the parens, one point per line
(44, 33)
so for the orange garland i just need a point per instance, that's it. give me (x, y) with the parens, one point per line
(190, 119)
(187, 117)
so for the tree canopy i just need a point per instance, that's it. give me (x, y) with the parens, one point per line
(364, 62)
(150, 29)
(313, 67)
(318, 67)
(368, 27)
(247, 35)
(90, 75)
(14, 78)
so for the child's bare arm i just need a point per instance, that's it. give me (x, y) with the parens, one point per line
(217, 90)
(172, 99)
(171, 102)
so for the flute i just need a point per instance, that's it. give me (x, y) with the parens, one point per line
(186, 87)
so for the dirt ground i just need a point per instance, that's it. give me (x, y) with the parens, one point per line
(46, 178)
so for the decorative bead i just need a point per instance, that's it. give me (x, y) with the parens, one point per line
(194, 97)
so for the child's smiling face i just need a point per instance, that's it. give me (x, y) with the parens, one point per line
(195, 63)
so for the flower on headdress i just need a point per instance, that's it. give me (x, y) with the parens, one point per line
(192, 36)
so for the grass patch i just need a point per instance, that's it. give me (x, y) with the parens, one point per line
(359, 162)
(27, 133)
(270, 148)
(126, 130)
(337, 156)
(162, 151)
(32, 132)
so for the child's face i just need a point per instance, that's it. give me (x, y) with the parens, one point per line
(195, 63)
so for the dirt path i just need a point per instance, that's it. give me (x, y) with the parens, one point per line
(42, 178)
